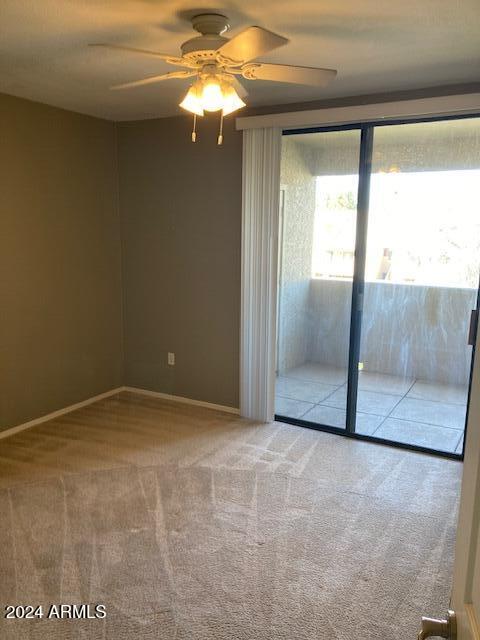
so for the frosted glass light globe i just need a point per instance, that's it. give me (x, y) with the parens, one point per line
(212, 95)
(192, 101)
(231, 100)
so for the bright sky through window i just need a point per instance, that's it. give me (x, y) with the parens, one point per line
(419, 229)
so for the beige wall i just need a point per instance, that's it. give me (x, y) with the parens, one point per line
(60, 275)
(181, 222)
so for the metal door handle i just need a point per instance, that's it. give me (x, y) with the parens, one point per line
(433, 627)
(472, 331)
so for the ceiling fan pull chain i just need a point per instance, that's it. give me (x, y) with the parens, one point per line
(220, 134)
(194, 132)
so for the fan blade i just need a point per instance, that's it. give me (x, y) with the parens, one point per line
(164, 56)
(249, 44)
(288, 73)
(238, 86)
(154, 79)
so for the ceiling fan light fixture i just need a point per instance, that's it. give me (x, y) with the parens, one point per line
(212, 94)
(193, 100)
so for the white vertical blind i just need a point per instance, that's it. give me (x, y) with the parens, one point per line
(261, 188)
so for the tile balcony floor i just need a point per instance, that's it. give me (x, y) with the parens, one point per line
(410, 411)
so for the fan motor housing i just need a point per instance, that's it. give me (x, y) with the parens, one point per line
(203, 47)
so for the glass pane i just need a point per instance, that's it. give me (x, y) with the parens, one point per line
(318, 202)
(422, 271)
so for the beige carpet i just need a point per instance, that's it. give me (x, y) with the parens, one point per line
(192, 524)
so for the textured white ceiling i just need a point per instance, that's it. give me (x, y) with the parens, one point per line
(376, 46)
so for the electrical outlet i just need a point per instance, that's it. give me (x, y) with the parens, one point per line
(171, 359)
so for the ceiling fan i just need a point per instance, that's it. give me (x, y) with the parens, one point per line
(217, 62)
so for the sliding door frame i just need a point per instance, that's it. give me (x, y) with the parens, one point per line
(367, 130)
(358, 285)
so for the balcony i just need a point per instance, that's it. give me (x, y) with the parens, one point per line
(413, 382)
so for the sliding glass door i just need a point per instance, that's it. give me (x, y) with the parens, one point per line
(379, 275)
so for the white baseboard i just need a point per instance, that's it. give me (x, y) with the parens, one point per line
(197, 403)
(107, 394)
(59, 412)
